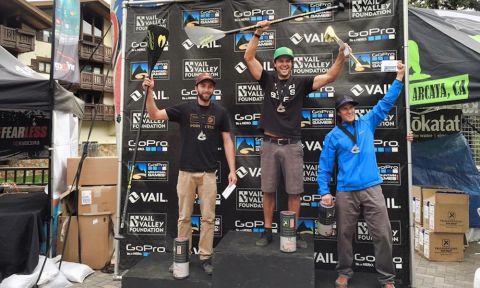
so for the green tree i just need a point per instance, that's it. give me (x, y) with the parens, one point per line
(446, 4)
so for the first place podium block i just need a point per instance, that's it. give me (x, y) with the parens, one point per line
(238, 262)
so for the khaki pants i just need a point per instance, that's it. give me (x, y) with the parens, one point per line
(206, 185)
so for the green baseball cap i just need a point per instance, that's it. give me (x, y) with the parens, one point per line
(282, 51)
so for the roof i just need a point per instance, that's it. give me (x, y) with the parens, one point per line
(31, 15)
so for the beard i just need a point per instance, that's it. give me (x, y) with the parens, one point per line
(205, 97)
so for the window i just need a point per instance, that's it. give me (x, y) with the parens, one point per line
(41, 64)
(44, 67)
(92, 28)
(44, 36)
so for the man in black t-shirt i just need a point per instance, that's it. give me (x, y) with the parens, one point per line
(282, 150)
(202, 123)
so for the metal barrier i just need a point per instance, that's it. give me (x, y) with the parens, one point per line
(24, 175)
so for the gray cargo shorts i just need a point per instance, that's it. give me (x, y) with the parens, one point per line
(286, 159)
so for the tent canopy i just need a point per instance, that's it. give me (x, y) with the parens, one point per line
(23, 88)
(444, 52)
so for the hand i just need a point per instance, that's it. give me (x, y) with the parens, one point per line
(410, 136)
(148, 83)
(264, 25)
(232, 178)
(344, 47)
(327, 200)
(401, 71)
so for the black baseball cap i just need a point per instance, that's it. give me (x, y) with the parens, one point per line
(342, 100)
(204, 76)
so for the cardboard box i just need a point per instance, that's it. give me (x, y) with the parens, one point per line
(428, 192)
(96, 236)
(446, 212)
(95, 170)
(418, 242)
(417, 203)
(443, 246)
(93, 199)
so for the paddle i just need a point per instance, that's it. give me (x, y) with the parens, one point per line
(156, 40)
(204, 35)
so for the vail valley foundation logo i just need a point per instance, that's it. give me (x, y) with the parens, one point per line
(390, 173)
(192, 67)
(368, 9)
(250, 199)
(248, 93)
(143, 20)
(148, 145)
(147, 224)
(203, 17)
(390, 122)
(248, 145)
(372, 34)
(139, 70)
(371, 61)
(149, 171)
(424, 90)
(312, 64)
(267, 40)
(300, 8)
(147, 123)
(310, 172)
(362, 234)
(318, 118)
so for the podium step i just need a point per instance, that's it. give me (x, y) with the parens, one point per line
(326, 278)
(152, 272)
(239, 263)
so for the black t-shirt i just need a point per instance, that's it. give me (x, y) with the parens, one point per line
(197, 155)
(289, 93)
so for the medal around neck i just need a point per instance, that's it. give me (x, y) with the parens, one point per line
(201, 136)
(280, 108)
(355, 149)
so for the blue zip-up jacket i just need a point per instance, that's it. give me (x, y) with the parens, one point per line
(356, 171)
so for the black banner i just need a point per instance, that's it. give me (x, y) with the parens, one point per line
(375, 33)
(428, 124)
(24, 134)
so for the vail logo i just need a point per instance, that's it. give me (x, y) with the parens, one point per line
(358, 89)
(312, 145)
(309, 38)
(243, 171)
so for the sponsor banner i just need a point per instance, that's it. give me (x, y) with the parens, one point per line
(390, 122)
(370, 61)
(428, 124)
(191, 94)
(139, 70)
(372, 35)
(248, 145)
(312, 64)
(310, 172)
(248, 93)
(362, 235)
(253, 16)
(386, 146)
(192, 67)
(369, 9)
(197, 225)
(142, 21)
(211, 17)
(390, 173)
(147, 123)
(267, 40)
(188, 44)
(143, 248)
(256, 226)
(307, 38)
(150, 170)
(248, 172)
(247, 120)
(147, 197)
(149, 145)
(370, 89)
(147, 224)
(318, 118)
(158, 95)
(250, 199)
(299, 8)
(453, 88)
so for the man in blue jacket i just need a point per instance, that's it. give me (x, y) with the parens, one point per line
(351, 144)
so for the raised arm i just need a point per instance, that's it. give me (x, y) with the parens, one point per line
(323, 79)
(230, 155)
(254, 66)
(153, 112)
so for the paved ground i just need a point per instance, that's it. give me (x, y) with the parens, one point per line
(429, 274)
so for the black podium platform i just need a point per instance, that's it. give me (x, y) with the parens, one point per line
(152, 272)
(239, 263)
